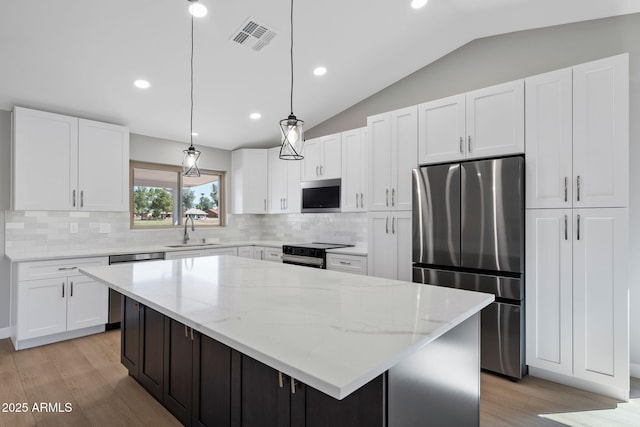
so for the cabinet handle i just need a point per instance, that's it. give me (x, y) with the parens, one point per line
(393, 225)
(578, 187)
(191, 334)
(286, 203)
(578, 230)
(293, 385)
(82, 198)
(74, 198)
(566, 188)
(71, 294)
(393, 197)
(566, 231)
(386, 225)
(361, 200)
(345, 263)
(62, 289)
(386, 197)
(186, 333)
(357, 200)
(461, 145)
(317, 170)
(469, 143)
(136, 305)
(280, 380)
(66, 268)
(265, 205)
(321, 171)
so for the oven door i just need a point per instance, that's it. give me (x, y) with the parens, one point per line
(306, 261)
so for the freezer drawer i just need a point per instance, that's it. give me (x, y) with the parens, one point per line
(502, 343)
(511, 288)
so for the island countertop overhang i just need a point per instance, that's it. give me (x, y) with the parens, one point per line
(333, 331)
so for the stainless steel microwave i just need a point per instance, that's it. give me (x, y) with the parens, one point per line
(321, 196)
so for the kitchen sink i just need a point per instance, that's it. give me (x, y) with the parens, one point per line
(192, 245)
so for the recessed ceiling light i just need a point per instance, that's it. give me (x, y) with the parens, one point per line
(255, 116)
(194, 133)
(142, 84)
(198, 10)
(320, 71)
(417, 4)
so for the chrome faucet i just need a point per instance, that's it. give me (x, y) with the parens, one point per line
(186, 238)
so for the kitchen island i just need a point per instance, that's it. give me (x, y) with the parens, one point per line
(245, 342)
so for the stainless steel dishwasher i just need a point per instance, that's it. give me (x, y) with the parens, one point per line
(114, 296)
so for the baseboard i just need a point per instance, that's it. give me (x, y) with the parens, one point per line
(603, 389)
(634, 369)
(5, 333)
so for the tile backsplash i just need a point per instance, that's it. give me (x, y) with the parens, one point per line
(49, 231)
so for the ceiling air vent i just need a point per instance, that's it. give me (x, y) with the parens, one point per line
(253, 35)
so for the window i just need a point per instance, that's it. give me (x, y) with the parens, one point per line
(161, 197)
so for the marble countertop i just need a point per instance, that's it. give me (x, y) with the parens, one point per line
(333, 331)
(352, 250)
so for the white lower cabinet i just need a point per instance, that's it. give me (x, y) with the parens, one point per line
(356, 264)
(245, 251)
(52, 297)
(577, 295)
(195, 253)
(389, 246)
(266, 253)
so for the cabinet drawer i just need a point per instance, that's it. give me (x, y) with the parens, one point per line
(222, 251)
(184, 254)
(347, 263)
(273, 254)
(57, 268)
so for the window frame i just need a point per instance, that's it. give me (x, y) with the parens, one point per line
(178, 169)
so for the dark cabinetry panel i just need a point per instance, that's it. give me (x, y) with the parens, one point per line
(130, 335)
(178, 350)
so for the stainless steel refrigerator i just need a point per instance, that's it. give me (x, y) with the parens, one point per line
(468, 233)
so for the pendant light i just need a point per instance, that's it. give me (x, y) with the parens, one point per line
(191, 155)
(291, 127)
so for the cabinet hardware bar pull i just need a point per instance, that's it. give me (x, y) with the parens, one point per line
(265, 205)
(74, 198)
(393, 225)
(62, 289)
(461, 144)
(191, 334)
(345, 263)
(386, 225)
(71, 290)
(578, 227)
(317, 171)
(66, 268)
(293, 385)
(469, 143)
(186, 334)
(361, 200)
(280, 380)
(82, 198)
(386, 197)
(566, 231)
(356, 200)
(321, 172)
(393, 197)
(578, 187)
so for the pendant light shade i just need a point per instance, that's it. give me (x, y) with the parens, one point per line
(291, 127)
(191, 155)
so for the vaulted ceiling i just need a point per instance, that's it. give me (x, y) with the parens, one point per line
(81, 57)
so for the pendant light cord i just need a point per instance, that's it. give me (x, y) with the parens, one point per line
(291, 54)
(191, 113)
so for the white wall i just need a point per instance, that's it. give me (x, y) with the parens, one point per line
(5, 179)
(507, 57)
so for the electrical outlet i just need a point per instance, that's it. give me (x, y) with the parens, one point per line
(73, 227)
(105, 228)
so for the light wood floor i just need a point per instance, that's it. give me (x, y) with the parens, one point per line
(87, 374)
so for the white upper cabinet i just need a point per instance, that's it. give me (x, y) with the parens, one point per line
(249, 181)
(66, 163)
(577, 138)
(549, 109)
(354, 171)
(392, 144)
(484, 123)
(601, 132)
(322, 158)
(284, 183)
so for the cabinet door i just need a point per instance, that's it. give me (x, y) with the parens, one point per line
(312, 159)
(103, 167)
(331, 165)
(249, 172)
(273, 254)
(45, 160)
(130, 336)
(277, 181)
(495, 120)
(382, 256)
(213, 372)
(293, 190)
(264, 403)
(600, 290)
(178, 373)
(245, 251)
(221, 251)
(441, 130)
(404, 154)
(353, 163)
(379, 153)
(151, 368)
(401, 229)
(549, 296)
(601, 133)
(549, 136)
(258, 252)
(87, 304)
(42, 308)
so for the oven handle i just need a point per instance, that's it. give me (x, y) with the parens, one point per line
(303, 260)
